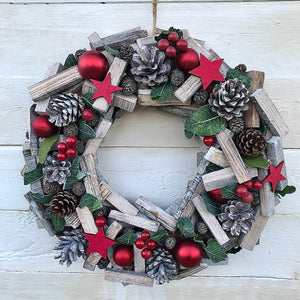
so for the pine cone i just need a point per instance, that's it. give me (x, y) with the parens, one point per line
(126, 52)
(79, 52)
(170, 242)
(78, 188)
(148, 66)
(241, 68)
(236, 217)
(63, 204)
(94, 121)
(250, 142)
(161, 266)
(129, 86)
(103, 263)
(229, 99)
(70, 130)
(55, 170)
(236, 125)
(200, 97)
(51, 188)
(72, 244)
(201, 228)
(65, 109)
(177, 77)
(101, 212)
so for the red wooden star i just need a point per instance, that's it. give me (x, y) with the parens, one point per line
(208, 71)
(104, 88)
(99, 243)
(275, 175)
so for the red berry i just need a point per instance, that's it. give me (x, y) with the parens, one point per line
(62, 147)
(248, 198)
(145, 235)
(208, 140)
(257, 184)
(140, 243)
(151, 244)
(87, 115)
(100, 221)
(173, 37)
(163, 44)
(71, 141)
(248, 184)
(146, 253)
(181, 45)
(71, 152)
(241, 191)
(170, 51)
(61, 156)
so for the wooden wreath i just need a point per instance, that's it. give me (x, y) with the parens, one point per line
(240, 176)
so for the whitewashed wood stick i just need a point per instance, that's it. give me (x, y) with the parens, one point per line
(267, 200)
(72, 220)
(190, 271)
(217, 157)
(139, 261)
(179, 110)
(92, 146)
(122, 101)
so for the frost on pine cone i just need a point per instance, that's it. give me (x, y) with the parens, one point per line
(236, 125)
(65, 109)
(161, 266)
(229, 99)
(149, 67)
(72, 245)
(236, 217)
(63, 203)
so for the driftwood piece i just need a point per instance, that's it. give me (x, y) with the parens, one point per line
(139, 261)
(156, 213)
(134, 220)
(180, 110)
(54, 84)
(88, 87)
(92, 146)
(190, 271)
(127, 277)
(102, 129)
(211, 221)
(189, 210)
(146, 41)
(122, 101)
(72, 220)
(217, 157)
(33, 138)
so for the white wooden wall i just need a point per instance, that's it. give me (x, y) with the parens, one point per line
(145, 152)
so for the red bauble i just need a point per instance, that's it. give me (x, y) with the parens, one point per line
(71, 141)
(188, 253)
(241, 190)
(248, 198)
(61, 156)
(123, 255)
(208, 140)
(248, 184)
(146, 253)
(151, 244)
(145, 235)
(163, 44)
(216, 195)
(42, 127)
(170, 51)
(181, 45)
(257, 184)
(62, 147)
(71, 152)
(93, 65)
(187, 60)
(87, 115)
(140, 243)
(173, 36)
(100, 221)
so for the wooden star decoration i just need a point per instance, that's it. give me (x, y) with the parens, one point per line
(208, 71)
(99, 243)
(275, 175)
(104, 88)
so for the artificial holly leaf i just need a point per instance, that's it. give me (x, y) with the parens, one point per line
(212, 206)
(85, 131)
(87, 99)
(72, 178)
(214, 251)
(46, 146)
(127, 238)
(161, 92)
(242, 76)
(42, 199)
(90, 201)
(188, 134)
(212, 168)
(256, 162)
(112, 51)
(70, 61)
(234, 250)
(34, 175)
(289, 189)
(58, 223)
(228, 192)
(159, 236)
(205, 122)
(186, 227)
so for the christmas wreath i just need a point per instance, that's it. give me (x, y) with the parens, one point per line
(240, 177)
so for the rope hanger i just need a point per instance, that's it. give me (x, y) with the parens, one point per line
(154, 14)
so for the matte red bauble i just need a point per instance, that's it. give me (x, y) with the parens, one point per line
(216, 195)
(187, 60)
(188, 253)
(123, 255)
(93, 65)
(42, 127)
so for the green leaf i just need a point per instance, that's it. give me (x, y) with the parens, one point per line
(112, 51)
(46, 146)
(228, 192)
(159, 236)
(188, 134)
(70, 61)
(34, 175)
(289, 189)
(90, 201)
(257, 162)
(85, 131)
(127, 238)
(87, 99)
(161, 92)
(42, 199)
(212, 206)
(58, 223)
(244, 77)
(186, 227)
(205, 122)
(80, 175)
(212, 168)
(214, 251)
(234, 250)
(72, 178)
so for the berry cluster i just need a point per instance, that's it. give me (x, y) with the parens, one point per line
(243, 190)
(67, 149)
(172, 44)
(141, 243)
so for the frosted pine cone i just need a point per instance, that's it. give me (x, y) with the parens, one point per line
(229, 99)
(129, 86)
(236, 125)
(149, 67)
(126, 52)
(177, 77)
(63, 203)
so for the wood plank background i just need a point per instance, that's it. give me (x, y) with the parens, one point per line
(145, 153)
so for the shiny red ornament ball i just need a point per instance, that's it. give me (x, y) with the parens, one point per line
(248, 198)
(241, 191)
(42, 127)
(257, 184)
(100, 221)
(87, 115)
(173, 36)
(146, 253)
(208, 140)
(151, 244)
(181, 45)
(93, 65)
(171, 51)
(71, 141)
(187, 60)
(163, 44)
(71, 152)
(140, 243)
(123, 255)
(248, 184)
(145, 235)
(188, 253)
(62, 147)
(216, 195)
(61, 156)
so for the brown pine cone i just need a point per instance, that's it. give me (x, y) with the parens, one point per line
(250, 142)
(129, 86)
(63, 204)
